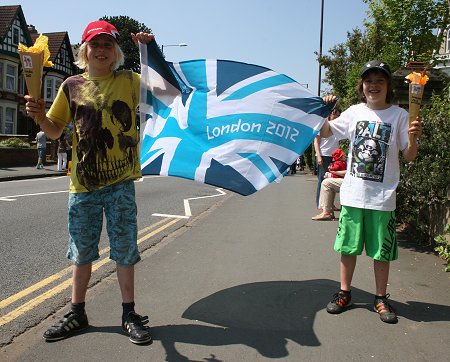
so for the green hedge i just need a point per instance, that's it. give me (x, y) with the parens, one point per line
(422, 195)
(14, 142)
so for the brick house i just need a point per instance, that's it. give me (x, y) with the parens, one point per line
(15, 30)
(444, 53)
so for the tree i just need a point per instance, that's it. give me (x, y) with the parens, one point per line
(343, 65)
(396, 31)
(407, 29)
(126, 25)
(422, 196)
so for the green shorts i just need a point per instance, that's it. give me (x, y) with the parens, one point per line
(370, 229)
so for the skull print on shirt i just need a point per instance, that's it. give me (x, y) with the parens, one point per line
(369, 150)
(107, 140)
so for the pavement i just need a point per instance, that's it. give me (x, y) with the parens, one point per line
(20, 173)
(249, 280)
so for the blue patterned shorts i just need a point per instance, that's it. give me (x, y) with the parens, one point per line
(41, 153)
(86, 220)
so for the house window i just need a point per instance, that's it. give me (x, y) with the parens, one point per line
(447, 48)
(10, 120)
(52, 85)
(1, 75)
(21, 84)
(15, 35)
(1, 119)
(11, 77)
(49, 89)
(58, 83)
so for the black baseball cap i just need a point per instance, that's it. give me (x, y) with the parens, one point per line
(376, 64)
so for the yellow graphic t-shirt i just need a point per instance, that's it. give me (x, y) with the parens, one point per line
(105, 148)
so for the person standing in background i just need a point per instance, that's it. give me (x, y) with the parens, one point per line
(331, 185)
(63, 147)
(41, 143)
(324, 148)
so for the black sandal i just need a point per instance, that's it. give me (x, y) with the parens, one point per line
(135, 326)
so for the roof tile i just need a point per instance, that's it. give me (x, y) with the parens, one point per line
(7, 15)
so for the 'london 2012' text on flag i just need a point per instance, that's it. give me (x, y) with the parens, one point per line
(234, 125)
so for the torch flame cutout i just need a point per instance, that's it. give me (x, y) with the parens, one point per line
(417, 78)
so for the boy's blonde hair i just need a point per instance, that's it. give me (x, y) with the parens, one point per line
(83, 63)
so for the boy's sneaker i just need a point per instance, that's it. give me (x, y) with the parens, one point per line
(68, 325)
(339, 302)
(384, 309)
(135, 326)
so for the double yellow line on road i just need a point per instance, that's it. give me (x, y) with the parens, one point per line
(27, 306)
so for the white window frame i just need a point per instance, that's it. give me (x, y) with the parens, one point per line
(10, 122)
(8, 117)
(58, 83)
(447, 43)
(21, 84)
(13, 30)
(2, 67)
(11, 77)
(52, 85)
(48, 94)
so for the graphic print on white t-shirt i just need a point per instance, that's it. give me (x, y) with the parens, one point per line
(370, 150)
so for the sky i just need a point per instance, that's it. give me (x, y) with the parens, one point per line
(282, 35)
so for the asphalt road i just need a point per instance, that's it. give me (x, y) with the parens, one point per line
(33, 239)
(249, 281)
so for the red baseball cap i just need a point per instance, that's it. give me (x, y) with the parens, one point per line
(99, 27)
(337, 154)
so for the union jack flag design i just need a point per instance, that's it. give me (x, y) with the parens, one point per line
(229, 124)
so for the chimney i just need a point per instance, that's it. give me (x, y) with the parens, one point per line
(32, 29)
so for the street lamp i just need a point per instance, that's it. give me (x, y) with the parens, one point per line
(320, 49)
(319, 81)
(172, 45)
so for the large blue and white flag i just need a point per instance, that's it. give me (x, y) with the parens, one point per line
(229, 124)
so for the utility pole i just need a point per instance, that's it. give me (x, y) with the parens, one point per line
(320, 49)
(319, 81)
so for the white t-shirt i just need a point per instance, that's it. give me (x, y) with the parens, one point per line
(328, 145)
(41, 139)
(373, 170)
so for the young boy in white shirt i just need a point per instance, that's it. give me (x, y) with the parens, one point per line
(377, 131)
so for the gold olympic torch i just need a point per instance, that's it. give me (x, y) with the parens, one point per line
(417, 83)
(33, 60)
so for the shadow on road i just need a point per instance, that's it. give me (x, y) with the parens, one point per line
(266, 315)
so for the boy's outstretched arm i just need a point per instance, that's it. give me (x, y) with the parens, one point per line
(36, 110)
(325, 131)
(410, 152)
